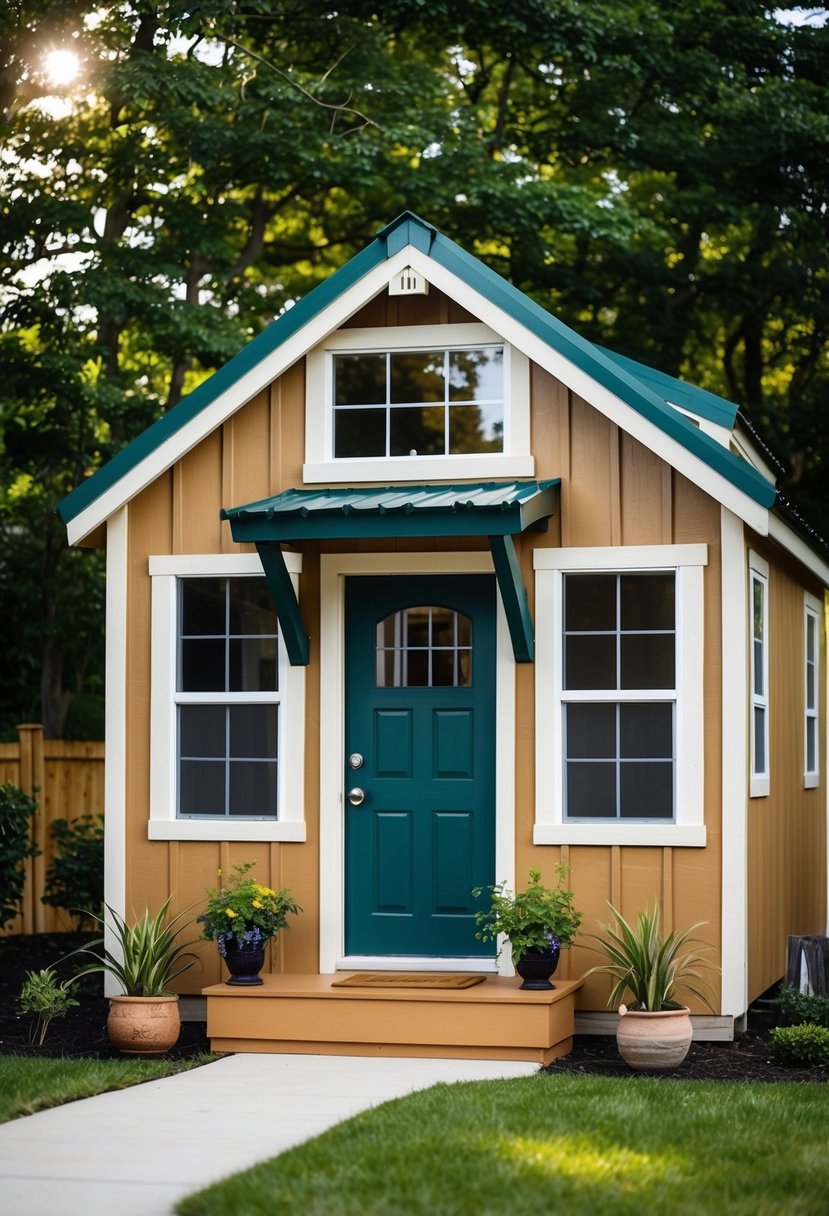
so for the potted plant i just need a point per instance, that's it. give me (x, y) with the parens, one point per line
(654, 1031)
(241, 918)
(144, 1018)
(537, 922)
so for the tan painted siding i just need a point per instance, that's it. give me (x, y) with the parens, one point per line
(787, 829)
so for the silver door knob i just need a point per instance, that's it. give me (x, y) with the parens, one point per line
(356, 796)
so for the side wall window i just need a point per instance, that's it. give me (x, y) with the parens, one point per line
(812, 618)
(619, 695)
(227, 710)
(759, 676)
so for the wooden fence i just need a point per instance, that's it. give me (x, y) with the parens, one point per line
(67, 779)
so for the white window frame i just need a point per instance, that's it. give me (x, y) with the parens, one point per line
(163, 824)
(759, 779)
(515, 460)
(812, 614)
(687, 562)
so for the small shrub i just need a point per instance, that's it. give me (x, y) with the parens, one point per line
(803, 1044)
(75, 879)
(45, 997)
(798, 1007)
(16, 811)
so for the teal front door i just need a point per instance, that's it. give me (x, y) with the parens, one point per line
(420, 763)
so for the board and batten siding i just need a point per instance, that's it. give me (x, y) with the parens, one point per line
(786, 829)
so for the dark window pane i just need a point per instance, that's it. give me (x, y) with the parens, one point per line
(417, 627)
(417, 668)
(758, 669)
(417, 376)
(388, 674)
(648, 660)
(251, 607)
(591, 790)
(758, 590)
(253, 731)
(201, 731)
(476, 375)
(359, 379)
(589, 602)
(590, 662)
(360, 432)
(418, 431)
(647, 601)
(811, 745)
(252, 787)
(476, 428)
(646, 791)
(202, 606)
(591, 732)
(201, 787)
(646, 732)
(759, 740)
(253, 665)
(443, 627)
(202, 665)
(443, 668)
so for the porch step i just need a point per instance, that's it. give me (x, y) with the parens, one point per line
(494, 1020)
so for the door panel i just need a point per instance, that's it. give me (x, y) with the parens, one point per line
(420, 709)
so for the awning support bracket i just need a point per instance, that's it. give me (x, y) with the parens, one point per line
(514, 598)
(287, 606)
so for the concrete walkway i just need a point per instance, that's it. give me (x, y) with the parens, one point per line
(138, 1151)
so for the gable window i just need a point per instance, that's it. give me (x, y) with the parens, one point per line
(619, 636)
(419, 403)
(226, 734)
(432, 402)
(811, 684)
(759, 676)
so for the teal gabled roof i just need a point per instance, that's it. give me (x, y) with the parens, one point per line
(644, 390)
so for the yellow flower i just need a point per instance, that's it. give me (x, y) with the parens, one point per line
(256, 903)
(229, 912)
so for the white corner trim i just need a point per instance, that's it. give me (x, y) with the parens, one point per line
(334, 569)
(735, 697)
(115, 731)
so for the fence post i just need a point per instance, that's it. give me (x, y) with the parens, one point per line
(33, 783)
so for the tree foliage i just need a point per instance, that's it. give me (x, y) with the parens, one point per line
(656, 174)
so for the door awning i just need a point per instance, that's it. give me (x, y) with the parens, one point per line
(497, 510)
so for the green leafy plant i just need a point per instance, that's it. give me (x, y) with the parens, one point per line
(45, 997)
(654, 968)
(800, 1007)
(147, 958)
(16, 811)
(246, 910)
(529, 918)
(801, 1044)
(75, 879)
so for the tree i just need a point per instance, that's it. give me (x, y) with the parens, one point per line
(655, 175)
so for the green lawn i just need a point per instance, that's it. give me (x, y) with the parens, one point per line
(554, 1144)
(28, 1084)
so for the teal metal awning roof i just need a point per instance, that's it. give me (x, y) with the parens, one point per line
(498, 511)
(502, 509)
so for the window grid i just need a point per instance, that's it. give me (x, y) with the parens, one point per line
(759, 677)
(811, 684)
(401, 651)
(617, 697)
(230, 759)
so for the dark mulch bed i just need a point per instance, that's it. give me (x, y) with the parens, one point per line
(83, 1031)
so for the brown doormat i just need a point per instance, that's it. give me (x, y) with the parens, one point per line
(409, 979)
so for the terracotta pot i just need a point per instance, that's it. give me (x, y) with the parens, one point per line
(652, 1041)
(144, 1025)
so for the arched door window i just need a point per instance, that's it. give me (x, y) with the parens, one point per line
(424, 647)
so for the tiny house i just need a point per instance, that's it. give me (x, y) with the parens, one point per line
(422, 590)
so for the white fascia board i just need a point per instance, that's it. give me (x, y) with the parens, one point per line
(234, 397)
(785, 536)
(595, 394)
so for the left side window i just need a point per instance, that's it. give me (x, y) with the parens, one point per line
(227, 699)
(227, 713)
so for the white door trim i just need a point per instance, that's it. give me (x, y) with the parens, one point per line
(334, 568)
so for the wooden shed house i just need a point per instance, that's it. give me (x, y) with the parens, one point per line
(422, 590)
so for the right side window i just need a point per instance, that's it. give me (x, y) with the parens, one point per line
(619, 696)
(811, 684)
(759, 709)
